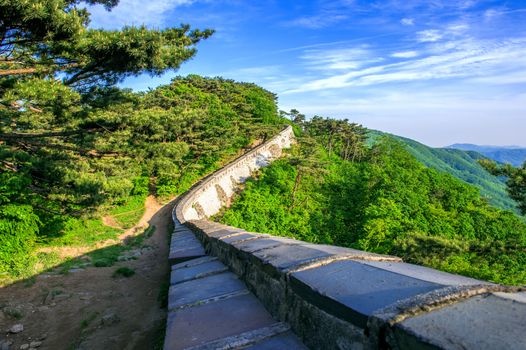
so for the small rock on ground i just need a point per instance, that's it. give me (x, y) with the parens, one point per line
(17, 328)
(110, 319)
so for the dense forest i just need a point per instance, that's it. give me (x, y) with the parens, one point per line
(333, 188)
(463, 165)
(73, 146)
(160, 143)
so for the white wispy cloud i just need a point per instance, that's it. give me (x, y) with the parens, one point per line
(317, 21)
(407, 21)
(339, 59)
(404, 54)
(429, 35)
(466, 59)
(152, 13)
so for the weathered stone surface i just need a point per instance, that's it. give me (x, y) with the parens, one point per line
(191, 252)
(263, 243)
(202, 270)
(209, 226)
(352, 290)
(225, 232)
(201, 324)
(518, 297)
(181, 229)
(425, 273)
(242, 340)
(283, 341)
(194, 262)
(199, 290)
(182, 242)
(184, 246)
(356, 254)
(481, 322)
(286, 256)
(239, 237)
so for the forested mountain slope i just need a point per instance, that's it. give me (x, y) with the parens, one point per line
(461, 164)
(513, 155)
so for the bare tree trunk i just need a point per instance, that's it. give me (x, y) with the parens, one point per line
(296, 186)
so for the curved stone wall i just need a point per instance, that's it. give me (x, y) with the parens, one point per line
(340, 298)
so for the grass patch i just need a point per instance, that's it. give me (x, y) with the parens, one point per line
(130, 212)
(12, 312)
(83, 232)
(150, 231)
(86, 322)
(123, 272)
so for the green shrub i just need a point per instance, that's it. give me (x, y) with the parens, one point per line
(123, 272)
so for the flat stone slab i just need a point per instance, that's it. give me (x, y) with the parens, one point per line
(239, 237)
(184, 246)
(184, 274)
(425, 274)
(479, 323)
(203, 289)
(353, 291)
(286, 256)
(358, 254)
(190, 252)
(194, 262)
(181, 229)
(262, 243)
(225, 232)
(209, 226)
(288, 341)
(181, 242)
(201, 324)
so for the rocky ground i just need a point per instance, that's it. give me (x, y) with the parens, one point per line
(95, 307)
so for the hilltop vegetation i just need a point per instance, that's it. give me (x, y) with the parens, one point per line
(463, 165)
(383, 200)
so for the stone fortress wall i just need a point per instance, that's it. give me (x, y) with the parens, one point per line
(340, 298)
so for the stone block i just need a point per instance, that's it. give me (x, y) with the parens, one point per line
(282, 341)
(425, 273)
(286, 256)
(198, 325)
(238, 237)
(194, 262)
(190, 250)
(225, 232)
(198, 271)
(482, 322)
(356, 254)
(202, 289)
(262, 243)
(353, 291)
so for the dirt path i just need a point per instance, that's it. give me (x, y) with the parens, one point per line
(89, 308)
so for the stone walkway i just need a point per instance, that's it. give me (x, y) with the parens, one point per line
(210, 308)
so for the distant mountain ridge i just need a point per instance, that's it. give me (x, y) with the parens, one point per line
(514, 155)
(459, 163)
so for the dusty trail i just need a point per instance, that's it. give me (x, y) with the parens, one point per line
(88, 308)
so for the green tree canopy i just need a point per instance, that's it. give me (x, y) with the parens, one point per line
(516, 180)
(42, 38)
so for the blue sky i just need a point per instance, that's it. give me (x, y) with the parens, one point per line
(438, 71)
